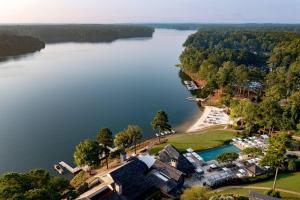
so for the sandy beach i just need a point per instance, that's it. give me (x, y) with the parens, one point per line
(211, 116)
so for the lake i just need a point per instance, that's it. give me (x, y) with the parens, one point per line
(52, 100)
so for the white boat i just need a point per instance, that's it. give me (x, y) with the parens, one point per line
(58, 169)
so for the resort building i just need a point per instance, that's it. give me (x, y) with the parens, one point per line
(137, 178)
(170, 155)
(254, 170)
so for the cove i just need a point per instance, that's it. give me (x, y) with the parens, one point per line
(52, 100)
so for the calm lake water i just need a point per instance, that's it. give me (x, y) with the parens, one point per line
(53, 99)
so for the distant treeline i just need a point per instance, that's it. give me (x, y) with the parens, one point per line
(176, 26)
(226, 27)
(78, 33)
(251, 27)
(11, 45)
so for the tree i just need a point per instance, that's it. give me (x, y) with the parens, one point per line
(34, 185)
(40, 193)
(252, 151)
(241, 77)
(298, 127)
(227, 157)
(195, 193)
(246, 110)
(270, 114)
(275, 154)
(122, 140)
(87, 152)
(249, 113)
(134, 133)
(38, 177)
(224, 74)
(292, 165)
(105, 138)
(161, 122)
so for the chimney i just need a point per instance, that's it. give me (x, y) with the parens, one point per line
(173, 163)
(119, 189)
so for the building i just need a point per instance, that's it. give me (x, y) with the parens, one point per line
(170, 155)
(254, 170)
(137, 179)
(257, 196)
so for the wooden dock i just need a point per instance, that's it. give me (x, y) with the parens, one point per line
(69, 168)
(196, 99)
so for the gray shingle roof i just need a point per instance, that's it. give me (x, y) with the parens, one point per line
(171, 153)
(132, 177)
(168, 170)
(257, 196)
(255, 169)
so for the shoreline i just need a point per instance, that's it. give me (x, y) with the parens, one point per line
(211, 116)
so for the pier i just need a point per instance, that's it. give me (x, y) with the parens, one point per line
(69, 168)
(196, 99)
(190, 85)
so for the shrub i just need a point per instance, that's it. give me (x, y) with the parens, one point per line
(115, 154)
(273, 193)
(79, 179)
(292, 165)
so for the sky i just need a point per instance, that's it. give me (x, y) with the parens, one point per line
(139, 11)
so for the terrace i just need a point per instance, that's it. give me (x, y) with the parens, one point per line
(211, 173)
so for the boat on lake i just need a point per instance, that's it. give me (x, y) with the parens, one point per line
(58, 169)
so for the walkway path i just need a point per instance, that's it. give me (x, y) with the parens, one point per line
(255, 187)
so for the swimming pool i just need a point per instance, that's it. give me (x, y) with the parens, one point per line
(213, 153)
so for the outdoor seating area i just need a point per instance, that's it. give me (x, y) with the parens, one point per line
(164, 133)
(217, 116)
(211, 116)
(250, 142)
(212, 173)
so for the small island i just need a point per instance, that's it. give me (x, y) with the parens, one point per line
(12, 45)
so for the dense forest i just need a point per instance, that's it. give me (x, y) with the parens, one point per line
(240, 60)
(11, 45)
(33, 185)
(78, 33)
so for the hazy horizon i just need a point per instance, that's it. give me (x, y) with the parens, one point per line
(155, 11)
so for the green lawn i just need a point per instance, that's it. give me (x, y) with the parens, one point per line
(245, 193)
(198, 141)
(288, 181)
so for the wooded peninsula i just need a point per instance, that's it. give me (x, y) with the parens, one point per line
(77, 32)
(11, 45)
(255, 70)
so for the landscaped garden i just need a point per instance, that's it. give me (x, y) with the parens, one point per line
(198, 141)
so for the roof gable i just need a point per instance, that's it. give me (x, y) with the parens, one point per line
(170, 153)
(168, 170)
(255, 169)
(133, 169)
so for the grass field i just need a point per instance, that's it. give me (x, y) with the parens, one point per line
(245, 193)
(198, 141)
(288, 181)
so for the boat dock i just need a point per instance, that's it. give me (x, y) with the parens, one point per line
(196, 99)
(191, 85)
(69, 168)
